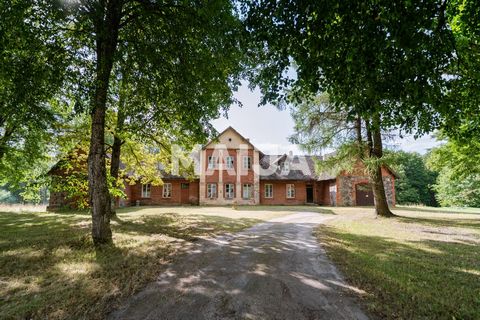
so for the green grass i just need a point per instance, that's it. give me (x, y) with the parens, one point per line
(439, 209)
(422, 264)
(50, 269)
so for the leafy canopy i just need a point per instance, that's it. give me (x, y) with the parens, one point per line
(373, 57)
(457, 164)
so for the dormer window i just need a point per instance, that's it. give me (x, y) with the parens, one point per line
(286, 168)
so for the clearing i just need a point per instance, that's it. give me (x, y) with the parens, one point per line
(423, 264)
(216, 262)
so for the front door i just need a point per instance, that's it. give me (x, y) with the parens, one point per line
(185, 192)
(364, 194)
(309, 194)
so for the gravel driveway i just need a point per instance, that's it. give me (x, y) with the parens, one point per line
(274, 270)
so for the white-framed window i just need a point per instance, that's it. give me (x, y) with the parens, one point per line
(290, 191)
(268, 190)
(146, 190)
(212, 162)
(229, 162)
(247, 162)
(211, 190)
(247, 191)
(229, 191)
(167, 190)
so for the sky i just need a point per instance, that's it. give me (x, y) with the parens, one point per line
(269, 128)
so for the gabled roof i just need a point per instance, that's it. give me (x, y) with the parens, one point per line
(395, 174)
(247, 141)
(301, 168)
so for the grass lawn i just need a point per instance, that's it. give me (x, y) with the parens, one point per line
(49, 268)
(424, 264)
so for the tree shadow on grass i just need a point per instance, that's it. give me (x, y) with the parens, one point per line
(182, 227)
(410, 279)
(439, 222)
(30, 228)
(439, 210)
(50, 267)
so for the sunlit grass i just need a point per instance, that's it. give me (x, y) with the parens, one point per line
(5, 207)
(50, 269)
(423, 264)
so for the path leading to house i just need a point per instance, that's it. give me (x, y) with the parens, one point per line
(274, 270)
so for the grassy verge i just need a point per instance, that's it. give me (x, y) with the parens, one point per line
(420, 265)
(49, 268)
(287, 208)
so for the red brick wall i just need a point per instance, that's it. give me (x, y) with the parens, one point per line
(134, 193)
(280, 193)
(211, 174)
(229, 175)
(246, 176)
(323, 193)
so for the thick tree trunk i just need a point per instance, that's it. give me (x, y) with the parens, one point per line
(116, 151)
(106, 20)
(97, 181)
(381, 204)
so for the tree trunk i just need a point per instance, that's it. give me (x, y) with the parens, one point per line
(9, 130)
(369, 137)
(381, 204)
(358, 132)
(116, 151)
(106, 19)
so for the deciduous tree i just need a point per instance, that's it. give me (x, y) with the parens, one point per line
(32, 70)
(382, 60)
(186, 51)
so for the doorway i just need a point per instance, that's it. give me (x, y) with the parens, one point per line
(364, 194)
(185, 192)
(309, 194)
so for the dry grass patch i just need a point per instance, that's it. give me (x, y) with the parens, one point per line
(50, 269)
(422, 264)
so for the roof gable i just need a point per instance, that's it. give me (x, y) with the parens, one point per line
(230, 138)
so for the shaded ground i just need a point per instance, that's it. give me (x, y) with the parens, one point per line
(50, 269)
(422, 264)
(275, 270)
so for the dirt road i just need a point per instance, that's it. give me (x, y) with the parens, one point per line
(275, 270)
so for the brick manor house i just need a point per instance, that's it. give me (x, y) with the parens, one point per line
(231, 170)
